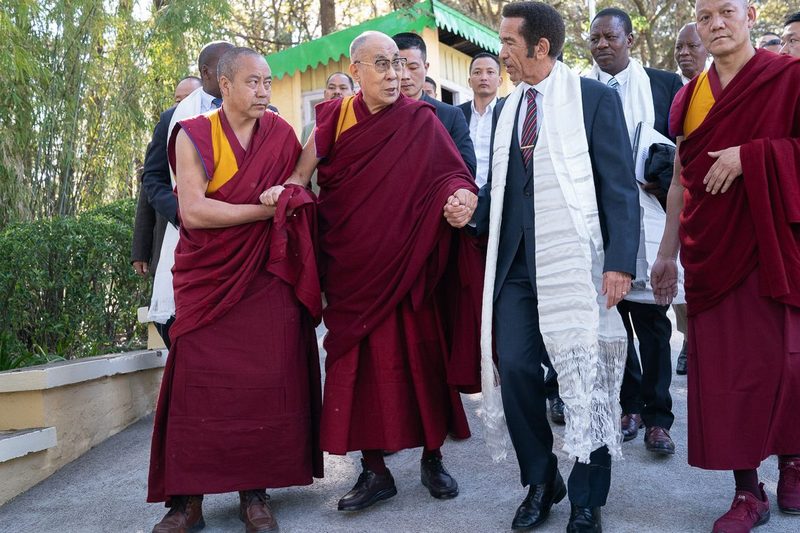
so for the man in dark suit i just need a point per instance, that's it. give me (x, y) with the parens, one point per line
(532, 36)
(412, 81)
(149, 226)
(645, 396)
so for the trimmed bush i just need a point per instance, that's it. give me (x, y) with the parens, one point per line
(67, 289)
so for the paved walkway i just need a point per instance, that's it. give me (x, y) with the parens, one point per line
(104, 492)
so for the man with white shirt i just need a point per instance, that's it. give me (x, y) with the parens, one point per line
(563, 235)
(646, 96)
(484, 80)
(158, 185)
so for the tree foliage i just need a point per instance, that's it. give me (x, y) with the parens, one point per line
(82, 81)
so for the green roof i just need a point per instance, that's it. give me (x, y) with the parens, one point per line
(426, 14)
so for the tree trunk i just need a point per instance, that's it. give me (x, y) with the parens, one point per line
(327, 16)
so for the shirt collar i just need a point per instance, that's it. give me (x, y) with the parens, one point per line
(489, 107)
(621, 77)
(540, 87)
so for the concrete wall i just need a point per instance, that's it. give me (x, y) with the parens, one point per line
(86, 401)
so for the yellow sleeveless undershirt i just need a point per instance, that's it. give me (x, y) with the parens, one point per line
(699, 106)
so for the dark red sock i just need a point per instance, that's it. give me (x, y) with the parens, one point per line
(747, 480)
(426, 453)
(374, 461)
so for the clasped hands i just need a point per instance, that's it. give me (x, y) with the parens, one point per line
(459, 208)
(270, 197)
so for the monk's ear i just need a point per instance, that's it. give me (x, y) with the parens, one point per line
(353, 69)
(751, 16)
(224, 86)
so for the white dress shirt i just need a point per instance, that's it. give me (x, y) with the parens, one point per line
(541, 89)
(622, 78)
(480, 131)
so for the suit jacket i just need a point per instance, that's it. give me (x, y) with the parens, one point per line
(466, 108)
(148, 233)
(457, 127)
(615, 186)
(155, 174)
(664, 85)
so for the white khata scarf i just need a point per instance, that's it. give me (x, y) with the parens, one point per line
(585, 341)
(637, 101)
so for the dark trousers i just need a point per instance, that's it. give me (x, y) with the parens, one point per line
(645, 388)
(521, 353)
(163, 330)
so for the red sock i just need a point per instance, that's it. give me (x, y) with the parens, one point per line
(374, 461)
(747, 480)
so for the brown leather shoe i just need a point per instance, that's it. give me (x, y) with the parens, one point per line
(185, 516)
(368, 490)
(657, 440)
(255, 512)
(630, 426)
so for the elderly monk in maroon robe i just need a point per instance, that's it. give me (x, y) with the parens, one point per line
(734, 208)
(391, 266)
(240, 400)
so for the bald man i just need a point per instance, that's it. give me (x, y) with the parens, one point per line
(690, 53)
(401, 338)
(239, 402)
(734, 197)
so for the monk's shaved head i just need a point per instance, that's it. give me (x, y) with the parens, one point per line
(229, 62)
(367, 40)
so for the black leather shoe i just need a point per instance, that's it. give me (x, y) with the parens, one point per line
(535, 508)
(680, 366)
(369, 489)
(437, 479)
(584, 520)
(557, 411)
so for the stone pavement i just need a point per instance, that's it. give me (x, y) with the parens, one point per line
(104, 492)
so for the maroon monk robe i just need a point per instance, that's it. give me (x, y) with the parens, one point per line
(384, 251)
(240, 399)
(741, 254)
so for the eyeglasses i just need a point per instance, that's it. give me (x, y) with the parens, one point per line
(382, 65)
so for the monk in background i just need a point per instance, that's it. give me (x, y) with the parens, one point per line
(403, 287)
(240, 399)
(734, 210)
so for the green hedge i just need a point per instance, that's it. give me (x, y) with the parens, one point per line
(67, 289)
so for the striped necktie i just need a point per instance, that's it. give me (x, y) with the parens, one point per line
(529, 129)
(613, 83)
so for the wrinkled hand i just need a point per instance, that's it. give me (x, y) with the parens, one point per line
(664, 280)
(726, 168)
(141, 267)
(615, 286)
(459, 208)
(654, 188)
(270, 197)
